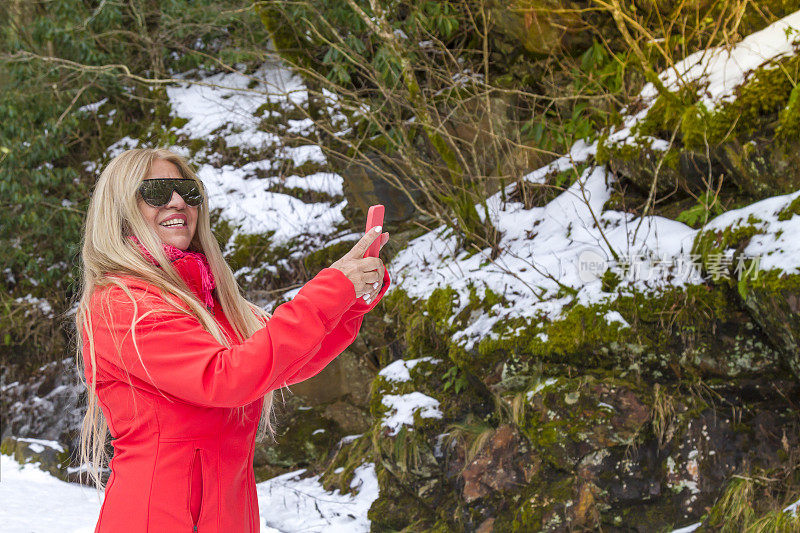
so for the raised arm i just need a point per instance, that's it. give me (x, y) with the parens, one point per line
(179, 357)
(337, 340)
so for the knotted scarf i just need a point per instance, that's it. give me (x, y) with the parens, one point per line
(192, 266)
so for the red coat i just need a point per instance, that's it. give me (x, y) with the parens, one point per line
(182, 451)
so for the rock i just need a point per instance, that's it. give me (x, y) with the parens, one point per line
(49, 456)
(366, 184)
(503, 465)
(774, 307)
(541, 27)
(47, 405)
(347, 376)
(350, 418)
(487, 526)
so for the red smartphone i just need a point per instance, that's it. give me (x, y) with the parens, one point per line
(374, 218)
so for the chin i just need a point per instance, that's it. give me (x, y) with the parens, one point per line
(183, 244)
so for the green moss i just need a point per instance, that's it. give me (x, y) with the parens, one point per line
(250, 250)
(713, 243)
(758, 102)
(668, 113)
(788, 129)
(610, 281)
(790, 210)
(542, 509)
(339, 472)
(178, 122)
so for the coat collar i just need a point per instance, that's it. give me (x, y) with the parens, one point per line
(193, 268)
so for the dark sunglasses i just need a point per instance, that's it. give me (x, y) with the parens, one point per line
(158, 191)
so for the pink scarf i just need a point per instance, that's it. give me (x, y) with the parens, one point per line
(192, 266)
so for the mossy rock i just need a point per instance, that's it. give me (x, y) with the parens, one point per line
(566, 419)
(349, 453)
(397, 508)
(771, 296)
(750, 140)
(647, 160)
(773, 299)
(35, 451)
(695, 330)
(304, 438)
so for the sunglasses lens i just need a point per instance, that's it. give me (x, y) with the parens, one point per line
(189, 192)
(157, 192)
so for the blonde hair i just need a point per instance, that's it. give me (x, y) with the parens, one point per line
(113, 214)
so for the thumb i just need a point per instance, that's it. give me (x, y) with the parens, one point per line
(361, 246)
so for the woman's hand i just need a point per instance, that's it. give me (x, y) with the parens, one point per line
(366, 273)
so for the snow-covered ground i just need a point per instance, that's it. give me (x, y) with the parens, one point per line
(33, 501)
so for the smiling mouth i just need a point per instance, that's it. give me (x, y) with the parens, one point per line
(173, 224)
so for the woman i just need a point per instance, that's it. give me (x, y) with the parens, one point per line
(181, 364)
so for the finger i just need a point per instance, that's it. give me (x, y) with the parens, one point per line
(370, 296)
(368, 264)
(384, 239)
(361, 246)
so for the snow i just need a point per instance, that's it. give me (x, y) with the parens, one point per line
(34, 501)
(249, 205)
(399, 371)
(91, 108)
(614, 316)
(403, 406)
(301, 155)
(326, 182)
(775, 244)
(545, 248)
(43, 305)
(41, 443)
(722, 70)
(290, 504)
(224, 105)
(540, 387)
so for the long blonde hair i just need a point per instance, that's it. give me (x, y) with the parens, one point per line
(113, 214)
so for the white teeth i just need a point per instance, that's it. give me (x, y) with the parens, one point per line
(173, 223)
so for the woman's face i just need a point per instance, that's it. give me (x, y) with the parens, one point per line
(179, 236)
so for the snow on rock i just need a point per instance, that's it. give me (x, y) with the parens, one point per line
(721, 70)
(249, 205)
(289, 503)
(399, 371)
(775, 244)
(539, 387)
(546, 248)
(326, 182)
(614, 316)
(37, 445)
(225, 103)
(301, 155)
(403, 406)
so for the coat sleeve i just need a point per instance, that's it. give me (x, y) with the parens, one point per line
(337, 340)
(173, 352)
